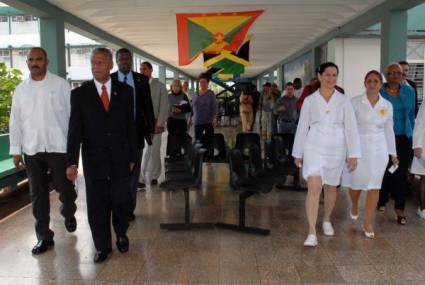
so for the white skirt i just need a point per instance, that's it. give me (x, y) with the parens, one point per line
(371, 166)
(323, 157)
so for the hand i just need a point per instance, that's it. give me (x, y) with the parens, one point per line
(351, 164)
(395, 160)
(159, 129)
(132, 164)
(71, 173)
(282, 109)
(214, 122)
(418, 152)
(298, 162)
(18, 161)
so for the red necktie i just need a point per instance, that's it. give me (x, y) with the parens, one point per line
(105, 99)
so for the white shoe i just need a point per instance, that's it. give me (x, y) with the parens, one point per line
(353, 217)
(368, 234)
(311, 241)
(421, 213)
(328, 230)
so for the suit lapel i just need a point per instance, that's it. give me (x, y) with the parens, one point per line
(95, 96)
(114, 96)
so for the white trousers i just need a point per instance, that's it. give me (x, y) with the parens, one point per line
(151, 161)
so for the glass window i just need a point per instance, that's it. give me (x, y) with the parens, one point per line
(20, 58)
(5, 56)
(3, 19)
(80, 56)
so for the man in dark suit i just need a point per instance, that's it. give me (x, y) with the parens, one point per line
(143, 113)
(405, 67)
(102, 121)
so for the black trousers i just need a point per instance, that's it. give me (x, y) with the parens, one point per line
(37, 166)
(134, 179)
(205, 134)
(106, 198)
(177, 136)
(396, 183)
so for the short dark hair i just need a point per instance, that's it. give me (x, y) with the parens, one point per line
(267, 84)
(375, 72)
(403, 62)
(102, 50)
(40, 49)
(326, 65)
(148, 64)
(204, 75)
(289, 84)
(297, 80)
(122, 50)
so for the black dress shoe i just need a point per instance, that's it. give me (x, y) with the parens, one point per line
(131, 217)
(101, 256)
(42, 246)
(154, 182)
(71, 224)
(122, 243)
(141, 185)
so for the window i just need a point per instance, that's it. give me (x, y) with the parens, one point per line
(3, 19)
(80, 56)
(416, 73)
(5, 56)
(20, 58)
(24, 18)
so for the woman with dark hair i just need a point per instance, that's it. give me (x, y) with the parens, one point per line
(375, 124)
(402, 98)
(204, 107)
(176, 123)
(326, 139)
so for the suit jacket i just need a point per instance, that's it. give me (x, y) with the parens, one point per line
(160, 101)
(108, 139)
(145, 119)
(413, 85)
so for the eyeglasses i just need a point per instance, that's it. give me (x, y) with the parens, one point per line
(394, 73)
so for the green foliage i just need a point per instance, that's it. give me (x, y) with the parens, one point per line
(9, 79)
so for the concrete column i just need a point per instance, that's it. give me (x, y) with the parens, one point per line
(271, 77)
(316, 61)
(330, 56)
(161, 73)
(393, 37)
(52, 39)
(280, 77)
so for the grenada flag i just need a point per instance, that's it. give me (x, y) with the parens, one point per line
(212, 32)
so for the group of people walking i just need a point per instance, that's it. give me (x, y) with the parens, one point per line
(117, 121)
(363, 143)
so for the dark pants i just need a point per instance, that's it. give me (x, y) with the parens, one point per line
(106, 198)
(254, 114)
(396, 183)
(205, 134)
(134, 179)
(37, 166)
(177, 136)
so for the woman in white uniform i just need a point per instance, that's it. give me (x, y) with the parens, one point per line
(418, 146)
(326, 139)
(377, 141)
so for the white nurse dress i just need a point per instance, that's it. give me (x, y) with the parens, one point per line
(419, 141)
(326, 135)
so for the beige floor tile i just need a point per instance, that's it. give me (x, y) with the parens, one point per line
(319, 274)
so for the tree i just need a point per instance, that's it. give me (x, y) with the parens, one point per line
(9, 79)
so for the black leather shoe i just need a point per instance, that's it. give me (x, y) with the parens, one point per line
(42, 246)
(71, 224)
(131, 217)
(122, 243)
(154, 182)
(141, 185)
(101, 256)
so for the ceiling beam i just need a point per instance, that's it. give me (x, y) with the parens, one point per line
(42, 8)
(363, 21)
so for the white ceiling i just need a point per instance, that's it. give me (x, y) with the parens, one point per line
(284, 28)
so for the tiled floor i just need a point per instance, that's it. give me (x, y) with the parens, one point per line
(395, 256)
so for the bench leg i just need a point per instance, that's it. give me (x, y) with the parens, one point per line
(241, 227)
(187, 225)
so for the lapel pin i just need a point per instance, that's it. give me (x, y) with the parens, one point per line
(114, 93)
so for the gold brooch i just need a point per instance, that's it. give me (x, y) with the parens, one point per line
(383, 112)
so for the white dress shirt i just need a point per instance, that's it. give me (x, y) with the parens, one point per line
(99, 87)
(39, 116)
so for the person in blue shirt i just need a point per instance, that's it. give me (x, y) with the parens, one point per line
(402, 98)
